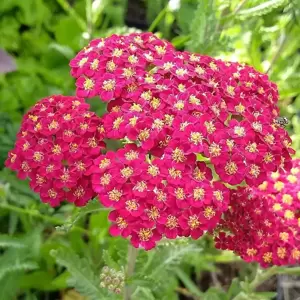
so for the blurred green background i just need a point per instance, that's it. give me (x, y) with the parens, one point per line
(45, 252)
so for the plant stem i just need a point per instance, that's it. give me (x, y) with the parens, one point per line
(260, 277)
(158, 19)
(131, 260)
(89, 18)
(36, 214)
(289, 27)
(278, 52)
(71, 11)
(239, 7)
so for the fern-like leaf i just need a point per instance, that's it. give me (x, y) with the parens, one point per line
(7, 241)
(261, 9)
(16, 267)
(142, 293)
(153, 267)
(92, 206)
(82, 277)
(173, 256)
(9, 286)
(19, 259)
(204, 36)
(109, 261)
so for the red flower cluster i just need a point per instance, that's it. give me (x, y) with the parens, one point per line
(170, 196)
(224, 111)
(57, 142)
(175, 110)
(263, 224)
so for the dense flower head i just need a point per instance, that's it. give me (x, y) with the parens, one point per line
(262, 224)
(57, 142)
(224, 111)
(157, 197)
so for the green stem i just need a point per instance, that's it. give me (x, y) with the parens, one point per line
(239, 6)
(158, 19)
(89, 18)
(131, 260)
(181, 42)
(36, 214)
(260, 277)
(71, 11)
(278, 52)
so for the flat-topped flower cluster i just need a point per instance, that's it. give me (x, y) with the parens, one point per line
(194, 128)
(262, 224)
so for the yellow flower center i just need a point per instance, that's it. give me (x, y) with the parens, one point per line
(171, 222)
(52, 193)
(231, 168)
(126, 172)
(79, 192)
(88, 84)
(145, 234)
(115, 195)
(109, 85)
(121, 223)
(193, 222)
(198, 193)
(209, 212)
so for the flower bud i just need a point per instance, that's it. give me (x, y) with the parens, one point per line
(111, 288)
(105, 269)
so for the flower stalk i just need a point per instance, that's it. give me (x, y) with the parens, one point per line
(131, 261)
(262, 276)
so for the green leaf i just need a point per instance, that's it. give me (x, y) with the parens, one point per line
(264, 295)
(9, 286)
(98, 7)
(142, 293)
(60, 282)
(82, 277)
(66, 51)
(189, 284)
(9, 33)
(33, 12)
(254, 48)
(233, 289)
(115, 14)
(261, 9)
(9, 100)
(203, 28)
(68, 33)
(109, 261)
(185, 14)
(7, 241)
(17, 267)
(40, 280)
(214, 294)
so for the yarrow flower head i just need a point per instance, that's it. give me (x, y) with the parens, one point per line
(57, 142)
(192, 125)
(262, 224)
(153, 198)
(224, 111)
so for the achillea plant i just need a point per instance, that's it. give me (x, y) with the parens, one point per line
(194, 128)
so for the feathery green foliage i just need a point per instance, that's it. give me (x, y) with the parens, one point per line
(261, 9)
(82, 277)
